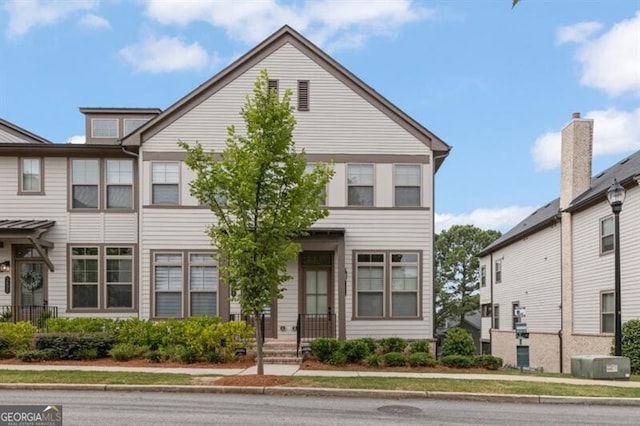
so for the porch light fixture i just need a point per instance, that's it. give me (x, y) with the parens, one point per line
(5, 266)
(615, 195)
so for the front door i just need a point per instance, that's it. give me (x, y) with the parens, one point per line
(31, 279)
(316, 302)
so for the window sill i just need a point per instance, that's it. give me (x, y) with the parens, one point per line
(387, 318)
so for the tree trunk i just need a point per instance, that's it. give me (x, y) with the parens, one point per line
(259, 360)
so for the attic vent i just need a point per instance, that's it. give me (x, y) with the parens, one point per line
(303, 95)
(599, 175)
(273, 85)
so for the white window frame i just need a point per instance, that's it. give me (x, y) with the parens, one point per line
(164, 182)
(398, 179)
(110, 120)
(358, 184)
(39, 177)
(498, 266)
(610, 235)
(611, 314)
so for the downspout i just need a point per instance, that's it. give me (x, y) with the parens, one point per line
(492, 313)
(561, 331)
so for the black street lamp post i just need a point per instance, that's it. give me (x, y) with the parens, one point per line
(615, 195)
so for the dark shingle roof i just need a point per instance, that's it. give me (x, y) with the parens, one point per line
(624, 172)
(25, 225)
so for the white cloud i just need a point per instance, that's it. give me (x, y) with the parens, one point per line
(79, 139)
(94, 22)
(27, 14)
(577, 33)
(328, 23)
(501, 219)
(164, 54)
(611, 61)
(614, 132)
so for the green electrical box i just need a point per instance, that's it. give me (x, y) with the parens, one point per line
(522, 356)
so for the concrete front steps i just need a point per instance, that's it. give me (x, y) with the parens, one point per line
(280, 352)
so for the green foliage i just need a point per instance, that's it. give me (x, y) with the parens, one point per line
(16, 336)
(631, 343)
(179, 353)
(72, 345)
(458, 270)
(87, 354)
(261, 196)
(356, 350)
(370, 342)
(82, 325)
(393, 344)
(420, 346)
(337, 358)
(127, 351)
(374, 360)
(421, 359)
(323, 348)
(458, 342)
(458, 361)
(489, 362)
(153, 356)
(214, 357)
(394, 359)
(140, 333)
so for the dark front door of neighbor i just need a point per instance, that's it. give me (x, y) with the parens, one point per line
(316, 302)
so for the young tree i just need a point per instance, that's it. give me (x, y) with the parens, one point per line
(457, 271)
(262, 198)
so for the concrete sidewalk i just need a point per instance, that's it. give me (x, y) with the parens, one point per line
(294, 370)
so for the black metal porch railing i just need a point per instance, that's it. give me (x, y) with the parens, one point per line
(249, 320)
(35, 314)
(314, 326)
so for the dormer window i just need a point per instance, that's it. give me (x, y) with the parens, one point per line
(132, 124)
(104, 128)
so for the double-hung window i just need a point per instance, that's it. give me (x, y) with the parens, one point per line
(606, 235)
(483, 276)
(498, 271)
(119, 277)
(31, 176)
(607, 312)
(119, 184)
(387, 285)
(496, 317)
(85, 277)
(165, 182)
(168, 284)
(360, 180)
(84, 183)
(203, 284)
(407, 185)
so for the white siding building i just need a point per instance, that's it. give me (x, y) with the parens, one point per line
(558, 264)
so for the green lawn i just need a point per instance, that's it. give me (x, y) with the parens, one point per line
(96, 377)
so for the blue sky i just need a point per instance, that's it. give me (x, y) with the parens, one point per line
(494, 82)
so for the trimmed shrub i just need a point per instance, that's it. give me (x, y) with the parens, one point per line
(214, 357)
(37, 355)
(323, 348)
(139, 333)
(421, 359)
(489, 362)
(16, 336)
(127, 351)
(458, 361)
(82, 325)
(370, 342)
(373, 360)
(458, 342)
(356, 350)
(337, 358)
(394, 359)
(70, 345)
(153, 356)
(393, 344)
(631, 343)
(420, 346)
(87, 354)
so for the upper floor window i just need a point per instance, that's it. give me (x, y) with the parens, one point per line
(607, 311)
(104, 127)
(131, 124)
(360, 184)
(496, 317)
(485, 310)
(407, 185)
(303, 95)
(165, 182)
(273, 85)
(84, 184)
(606, 235)
(515, 306)
(323, 201)
(483, 276)
(31, 175)
(119, 184)
(498, 271)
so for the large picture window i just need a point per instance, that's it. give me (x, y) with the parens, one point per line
(102, 277)
(407, 185)
(387, 285)
(185, 284)
(360, 184)
(165, 182)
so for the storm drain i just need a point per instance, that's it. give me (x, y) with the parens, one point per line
(399, 410)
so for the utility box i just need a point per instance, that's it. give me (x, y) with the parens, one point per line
(601, 367)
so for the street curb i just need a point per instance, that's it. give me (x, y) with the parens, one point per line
(330, 392)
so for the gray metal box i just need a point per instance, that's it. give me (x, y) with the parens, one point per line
(601, 367)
